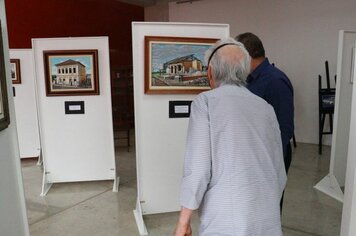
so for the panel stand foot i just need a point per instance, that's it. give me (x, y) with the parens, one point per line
(40, 159)
(115, 187)
(331, 187)
(45, 184)
(139, 219)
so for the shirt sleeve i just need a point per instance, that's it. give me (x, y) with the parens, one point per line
(280, 96)
(197, 163)
(278, 154)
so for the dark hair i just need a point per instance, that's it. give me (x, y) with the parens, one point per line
(252, 43)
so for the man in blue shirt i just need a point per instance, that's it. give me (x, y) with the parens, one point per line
(271, 84)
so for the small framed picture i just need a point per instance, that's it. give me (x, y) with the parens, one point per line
(15, 71)
(175, 65)
(71, 72)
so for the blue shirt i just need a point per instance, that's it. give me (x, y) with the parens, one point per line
(271, 84)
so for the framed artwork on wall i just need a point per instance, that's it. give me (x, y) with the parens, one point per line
(15, 71)
(4, 105)
(175, 65)
(71, 72)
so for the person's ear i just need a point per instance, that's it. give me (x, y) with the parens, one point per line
(210, 77)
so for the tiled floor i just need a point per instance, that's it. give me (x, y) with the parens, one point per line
(91, 208)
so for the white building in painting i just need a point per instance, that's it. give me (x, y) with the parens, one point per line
(70, 73)
(183, 65)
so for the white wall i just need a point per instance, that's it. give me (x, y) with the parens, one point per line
(25, 105)
(298, 37)
(158, 12)
(13, 219)
(76, 147)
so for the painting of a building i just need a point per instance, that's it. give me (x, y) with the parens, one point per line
(183, 65)
(176, 65)
(70, 73)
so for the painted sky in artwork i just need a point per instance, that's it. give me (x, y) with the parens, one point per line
(163, 52)
(85, 60)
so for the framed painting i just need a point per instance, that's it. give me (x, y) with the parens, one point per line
(15, 71)
(71, 72)
(4, 105)
(175, 65)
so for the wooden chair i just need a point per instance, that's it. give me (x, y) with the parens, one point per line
(326, 106)
(121, 121)
(122, 103)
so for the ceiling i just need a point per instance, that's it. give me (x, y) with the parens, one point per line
(146, 3)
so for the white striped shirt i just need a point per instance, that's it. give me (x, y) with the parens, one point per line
(233, 169)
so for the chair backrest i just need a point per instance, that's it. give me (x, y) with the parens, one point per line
(326, 98)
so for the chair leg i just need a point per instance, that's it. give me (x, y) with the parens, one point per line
(294, 142)
(320, 134)
(128, 140)
(331, 122)
(321, 128)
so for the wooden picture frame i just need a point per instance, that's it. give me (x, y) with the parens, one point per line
(71, 72)
(175, 65)
(15, 71)
(4, 105)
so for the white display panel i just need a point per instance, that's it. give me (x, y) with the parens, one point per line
(331, 183)
(76, 147)
(160, 141)
(25, 105)
(348, 224)
(343, 99)
(13, 218)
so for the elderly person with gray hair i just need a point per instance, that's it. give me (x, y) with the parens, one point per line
(233, 170)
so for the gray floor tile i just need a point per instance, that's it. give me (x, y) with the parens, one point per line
(91, 208)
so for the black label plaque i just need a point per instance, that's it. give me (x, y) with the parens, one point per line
(179, 109)
(74, 107)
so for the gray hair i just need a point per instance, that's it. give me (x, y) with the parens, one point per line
(227, 70)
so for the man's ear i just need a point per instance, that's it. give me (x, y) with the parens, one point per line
(210, 77)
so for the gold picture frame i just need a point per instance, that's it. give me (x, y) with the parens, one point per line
(175, 65)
